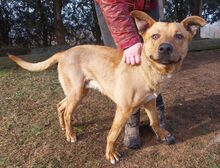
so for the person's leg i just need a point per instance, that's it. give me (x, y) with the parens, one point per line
(160, 110)
(106, 34)
(132, 138)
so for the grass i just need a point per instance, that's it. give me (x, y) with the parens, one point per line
(5, 71)
(78, 129)
(31, 136)
(4, 161)
(36, 130)
(215, 165)
(54, 163)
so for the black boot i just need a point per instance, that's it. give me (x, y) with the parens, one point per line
(132, 137)
(163, 123)
(160, 110)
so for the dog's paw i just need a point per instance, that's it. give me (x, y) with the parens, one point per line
(113, 157)
(170, 139)
(71, 139)
(132, 142)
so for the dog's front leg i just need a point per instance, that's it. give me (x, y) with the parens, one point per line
(121, 117)
(151, 110)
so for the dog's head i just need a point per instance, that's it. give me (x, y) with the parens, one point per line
(166, 44)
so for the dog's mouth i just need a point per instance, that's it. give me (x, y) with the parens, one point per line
(165, 62)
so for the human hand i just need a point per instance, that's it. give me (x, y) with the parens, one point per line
(132, 55)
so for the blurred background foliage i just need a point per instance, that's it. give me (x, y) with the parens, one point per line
(42, 23)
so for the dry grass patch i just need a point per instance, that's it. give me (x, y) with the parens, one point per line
(31, 137)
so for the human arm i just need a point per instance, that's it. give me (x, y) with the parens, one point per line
(122, 28)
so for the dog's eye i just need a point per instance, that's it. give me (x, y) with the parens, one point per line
(179, 36)
(155, 36)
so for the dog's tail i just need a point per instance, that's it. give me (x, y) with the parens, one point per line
(39, 66)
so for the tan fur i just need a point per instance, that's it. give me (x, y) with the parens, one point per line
(36, 66)
(128, 86)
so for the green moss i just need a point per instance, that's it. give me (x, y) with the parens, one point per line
(36, 130)
(4, 161)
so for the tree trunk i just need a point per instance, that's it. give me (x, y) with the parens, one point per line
(196, 10)
(43, 27)
(161, 9)
(96, 30)
(179, 10)
(195, 7)
(59, 27)
(5, 26)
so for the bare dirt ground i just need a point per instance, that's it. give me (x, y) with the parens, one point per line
(31, 137)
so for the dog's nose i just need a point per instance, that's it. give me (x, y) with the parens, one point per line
(165, 48)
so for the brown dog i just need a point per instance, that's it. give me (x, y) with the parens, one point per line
(82, 67)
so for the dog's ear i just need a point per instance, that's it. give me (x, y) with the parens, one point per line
(193, 23)
(142, 20)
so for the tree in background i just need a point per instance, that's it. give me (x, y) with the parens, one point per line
(211, 10)
(31, 22)
(177, 10)
(81, 23)
(34, 23)
(58, 22)
(5, 23)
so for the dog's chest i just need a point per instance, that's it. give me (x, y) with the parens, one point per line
(150, 97)
(92, 84)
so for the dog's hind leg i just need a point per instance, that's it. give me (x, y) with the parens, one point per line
(72, 80)
(72, 101)
(61, 106)
(65, 84)
(121, 117)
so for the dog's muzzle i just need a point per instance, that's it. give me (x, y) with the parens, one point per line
(165, 61)
(165, 55)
